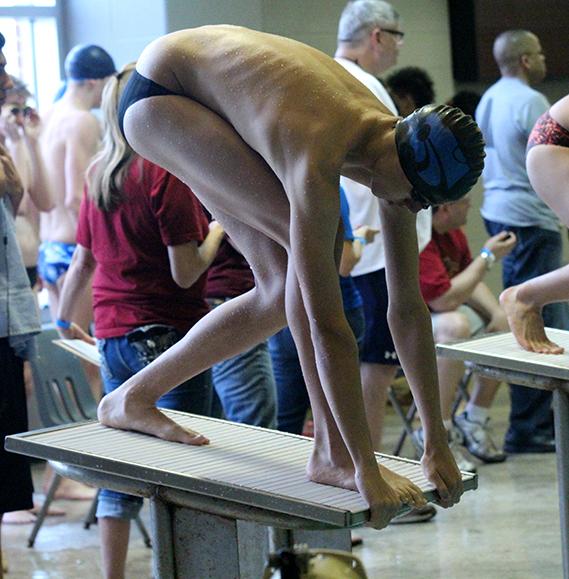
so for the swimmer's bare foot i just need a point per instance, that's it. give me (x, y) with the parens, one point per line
(408, 492)
(383, 501)
(127, 412)
(526, 323)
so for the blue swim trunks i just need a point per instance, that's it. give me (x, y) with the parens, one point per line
(54, 259)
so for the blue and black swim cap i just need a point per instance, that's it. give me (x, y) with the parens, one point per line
(88, 61)
(441, 151)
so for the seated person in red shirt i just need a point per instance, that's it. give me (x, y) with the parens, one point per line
(462, 306)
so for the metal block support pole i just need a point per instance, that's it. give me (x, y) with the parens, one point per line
(561, 407)
(164, 560)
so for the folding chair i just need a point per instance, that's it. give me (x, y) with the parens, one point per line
(63, 396)
(408, 417)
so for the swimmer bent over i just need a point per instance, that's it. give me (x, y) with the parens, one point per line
(261, 127)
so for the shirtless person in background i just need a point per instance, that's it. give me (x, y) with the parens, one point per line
(70, 138)
(261, 127)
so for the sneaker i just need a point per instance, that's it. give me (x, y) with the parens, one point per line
(477, 438)
(455, 445)
(417, 515)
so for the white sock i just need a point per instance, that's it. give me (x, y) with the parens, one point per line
(476, 413)
(448, 424)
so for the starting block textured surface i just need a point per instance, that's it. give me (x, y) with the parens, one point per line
(242, 464)
(502, 351)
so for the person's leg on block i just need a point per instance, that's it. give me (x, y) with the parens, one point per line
(548, 170)
(537, 252)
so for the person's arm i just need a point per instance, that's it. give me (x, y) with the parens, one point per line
(81, 145)
(464, 283)
(485, 303)
(410, 325)
(188, 261)
(10, 182)
(77, 278)
(39, 187)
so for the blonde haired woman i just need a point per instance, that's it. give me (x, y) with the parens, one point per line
(145, 239)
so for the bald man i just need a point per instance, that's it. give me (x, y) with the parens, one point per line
(506, 114)
(261, 127)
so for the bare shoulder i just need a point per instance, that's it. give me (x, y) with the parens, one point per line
(560, 112)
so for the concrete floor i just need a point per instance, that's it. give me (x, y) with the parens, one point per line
(508, 529)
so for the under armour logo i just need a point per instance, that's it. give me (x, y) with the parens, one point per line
(387, 355)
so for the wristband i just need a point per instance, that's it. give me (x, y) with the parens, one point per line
(488, 257)
(63, 324)
(362, 240)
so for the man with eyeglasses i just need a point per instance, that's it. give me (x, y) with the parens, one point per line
(506, 114)
(369, 39)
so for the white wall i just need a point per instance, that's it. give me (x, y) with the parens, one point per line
(122, 27)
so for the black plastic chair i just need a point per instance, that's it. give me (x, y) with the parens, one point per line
(63, 396)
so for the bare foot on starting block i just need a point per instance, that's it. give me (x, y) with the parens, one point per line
(384, 500)
(526, 323)
(408, 492)
(119, 410)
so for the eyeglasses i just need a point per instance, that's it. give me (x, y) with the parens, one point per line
(26, 111)
(399, 36)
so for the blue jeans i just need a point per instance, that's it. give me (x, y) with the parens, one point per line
(123, 357)
(245, 388)
(538, 251)
(292, 396)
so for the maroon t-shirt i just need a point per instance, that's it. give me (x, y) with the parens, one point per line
(445, 256)
(132, 284)
(229, 275)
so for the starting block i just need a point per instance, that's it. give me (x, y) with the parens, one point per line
(216, 510)
(499, 356)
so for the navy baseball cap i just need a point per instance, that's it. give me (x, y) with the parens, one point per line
(88, 61)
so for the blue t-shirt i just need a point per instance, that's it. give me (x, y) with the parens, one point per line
(350, 295)
(506, 114)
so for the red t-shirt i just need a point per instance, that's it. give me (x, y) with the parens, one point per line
(229, 275)
(132, 284)
(445, 256)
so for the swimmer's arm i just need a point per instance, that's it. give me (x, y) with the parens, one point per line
(75, 291)
(313, 242)
(81, 145)
(408, 316)
(188, 261)
(410, 325)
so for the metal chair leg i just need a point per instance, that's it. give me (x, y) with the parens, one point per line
(43, 511)
(462, 389)
(406, 418)
(91, 518)
(142, 528)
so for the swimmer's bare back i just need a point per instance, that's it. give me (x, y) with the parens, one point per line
(284, 99)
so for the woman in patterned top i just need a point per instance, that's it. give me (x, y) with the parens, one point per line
(548, 169)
